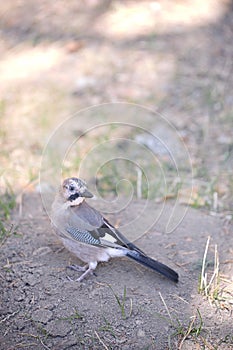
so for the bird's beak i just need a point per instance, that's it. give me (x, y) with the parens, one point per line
(87, 194)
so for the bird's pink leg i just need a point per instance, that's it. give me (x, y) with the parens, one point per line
(88, 269)
(91, 268)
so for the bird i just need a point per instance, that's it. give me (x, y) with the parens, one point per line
(85, 232)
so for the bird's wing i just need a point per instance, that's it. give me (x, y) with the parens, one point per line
(87, 225)
(84, 214)
(82, 236)
(109, 230)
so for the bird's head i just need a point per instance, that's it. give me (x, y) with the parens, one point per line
(75, 190)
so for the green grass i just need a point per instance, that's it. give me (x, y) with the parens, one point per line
(75, 316)
(7, 204)
(192, 329)
(6, 232)
(107, 327)
(121, 301)
(184, 330)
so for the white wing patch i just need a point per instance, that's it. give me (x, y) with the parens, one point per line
(109, 238)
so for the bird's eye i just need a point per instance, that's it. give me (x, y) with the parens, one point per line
(71, 188)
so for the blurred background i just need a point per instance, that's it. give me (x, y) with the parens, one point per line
(173, 57)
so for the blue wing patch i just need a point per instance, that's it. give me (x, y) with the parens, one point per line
(83, 236)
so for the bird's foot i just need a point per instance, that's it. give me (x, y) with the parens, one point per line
(78, 268)
(89, 271)
(85, 269)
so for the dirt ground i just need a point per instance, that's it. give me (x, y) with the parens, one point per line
(42, 309)
(170, 66)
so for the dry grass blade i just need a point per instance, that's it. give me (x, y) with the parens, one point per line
(210, 287)
(101, 341)
(203, 274)
(165, 305)
(215, 277)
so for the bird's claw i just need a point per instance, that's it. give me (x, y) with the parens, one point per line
(78, 268)
(85, 269)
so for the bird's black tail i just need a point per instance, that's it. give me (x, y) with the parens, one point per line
(153, 264)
